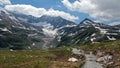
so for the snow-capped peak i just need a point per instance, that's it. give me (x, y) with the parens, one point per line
(86, 21)
(3, 12)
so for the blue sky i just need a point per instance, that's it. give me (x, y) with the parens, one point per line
(102, 11)
(55, 4)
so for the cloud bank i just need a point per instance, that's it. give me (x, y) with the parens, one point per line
(104, 10)
(38, 12)
(114, 23)
(5, 2)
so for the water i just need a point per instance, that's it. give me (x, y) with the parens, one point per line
(90, 60)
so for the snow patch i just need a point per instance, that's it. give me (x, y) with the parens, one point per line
(13, 18)
(33, 44)
(23, 27)
(71, 34)
(70, 25)
(86, 38)
(29, 47)
(0, 19)
(63, 32)
(112, 34)
(5, 29)
(66, 26)
(111, 38)
(77, 41)
(23, 19)
(93, 34)
(49, 31)
(32, 28)
(59, 38)
(87, 22)
(32, 34)
(92, 39)
(102, 31)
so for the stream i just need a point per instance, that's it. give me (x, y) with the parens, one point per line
(90, 60)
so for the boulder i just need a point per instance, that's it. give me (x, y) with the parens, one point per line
(72, 59)
(101, 59)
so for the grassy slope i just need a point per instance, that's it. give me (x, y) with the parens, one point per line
(53, 58)
(23, 59)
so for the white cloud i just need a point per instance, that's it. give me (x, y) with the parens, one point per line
(114, 23)
(104, 10)
(64, 15)
(5, 2)
(25, 9)
(38, 12)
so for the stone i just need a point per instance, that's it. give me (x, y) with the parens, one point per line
(72, 59)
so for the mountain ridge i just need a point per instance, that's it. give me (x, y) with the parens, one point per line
(57, 21)
(51, 31)
(88, 32)
(19, 35)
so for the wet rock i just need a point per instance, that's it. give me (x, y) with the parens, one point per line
(106, 59)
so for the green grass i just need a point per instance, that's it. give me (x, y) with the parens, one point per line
(106, 45)
(29, 59)
(45, 58)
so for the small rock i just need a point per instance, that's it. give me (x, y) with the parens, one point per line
(110, 63)
(11, 49)
(101, 59)
(72, 59)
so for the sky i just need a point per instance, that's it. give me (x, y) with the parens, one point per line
(102, 11)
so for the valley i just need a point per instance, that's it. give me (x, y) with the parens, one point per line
(48, 41)
(58, 57)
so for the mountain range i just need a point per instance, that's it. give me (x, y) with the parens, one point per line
(88, 32)
(19, 31)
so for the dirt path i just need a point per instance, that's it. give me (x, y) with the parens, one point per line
(91, 62)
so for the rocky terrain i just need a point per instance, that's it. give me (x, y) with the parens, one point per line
(18, 35)
(107, 52)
